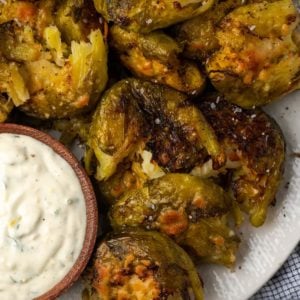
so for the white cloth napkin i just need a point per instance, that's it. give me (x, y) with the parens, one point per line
(285, 285)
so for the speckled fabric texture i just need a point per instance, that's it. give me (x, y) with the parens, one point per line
(285, 285)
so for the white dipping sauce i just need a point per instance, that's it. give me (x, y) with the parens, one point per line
(42, 217)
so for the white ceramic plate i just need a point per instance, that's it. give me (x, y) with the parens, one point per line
(263, 250)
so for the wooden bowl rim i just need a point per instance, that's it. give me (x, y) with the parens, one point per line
(90, 201)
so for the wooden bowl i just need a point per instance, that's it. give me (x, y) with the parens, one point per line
(90, 201)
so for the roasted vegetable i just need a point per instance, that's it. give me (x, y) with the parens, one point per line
(154, 56)
(140, 265)
(61, 69)
(258, 60)
(198, 35)
(191, 210)
(151, 127)
(255, 147)
(145, 16)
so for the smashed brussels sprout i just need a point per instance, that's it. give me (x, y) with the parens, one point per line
(191, 210)
(140, 265)
(155, 56)
(258, 61)
(145, 16)
(255, 147)
(60, 61)
(152, 128)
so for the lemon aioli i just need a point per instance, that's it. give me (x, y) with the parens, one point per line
(42, 217)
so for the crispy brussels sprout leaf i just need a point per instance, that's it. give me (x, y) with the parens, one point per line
(258, 60)
(136, 115)
(142, 265)
(254, 141)
(145, 16)
(154, 56)
(191, 210)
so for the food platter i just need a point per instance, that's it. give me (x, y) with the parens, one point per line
(265, 249)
